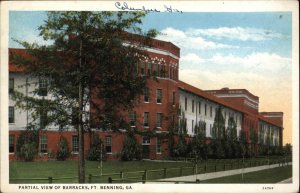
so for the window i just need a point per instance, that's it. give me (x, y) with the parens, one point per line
(185, 104)
(199, 104)
(210, 111)
(132, 118)
(11, 85)
(174, 73)
(42, 87)
(149, 69)
(173, 98)
(108, 144)
(155, 70)
(146, 119)
(143, 66)
(146, 94)
(11, 144)
(43, 144)
(159, 96)
(210, 129)
(158, 70)
(11, 114)
(158, 119)
(146, 140)
(193, 106)
(205, 109)
(75, 144)
(158, 145)
(163, 71)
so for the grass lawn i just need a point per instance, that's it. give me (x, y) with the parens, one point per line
(59, 169)
(66, 171)
(264, 176)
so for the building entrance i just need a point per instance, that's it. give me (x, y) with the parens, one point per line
(146, 147)
(146, 151)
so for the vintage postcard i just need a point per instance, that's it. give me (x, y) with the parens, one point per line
(149, 96)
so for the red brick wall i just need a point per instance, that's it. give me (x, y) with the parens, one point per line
(118, 138)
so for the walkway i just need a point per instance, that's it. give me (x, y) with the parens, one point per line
(287, 181)
(207, 176)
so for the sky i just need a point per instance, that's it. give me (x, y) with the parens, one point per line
(251, 50)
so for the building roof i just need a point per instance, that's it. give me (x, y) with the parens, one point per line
(227, 90)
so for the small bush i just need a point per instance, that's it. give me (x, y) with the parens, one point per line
(181, 149)
(94, 153)
(63, 149)
(30, 139)
(131, 149)
(28, 151)
(218, 149)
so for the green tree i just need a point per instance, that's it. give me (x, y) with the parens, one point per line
(287, 149)
(197, 145)
(27, 144)
(92, 60)
(245, 150)
(218, 149)
(253, 141)
(182, 125)
(231, 129)
(131, 148)
(97, 149)
(218, 130)
(181, 148)
(63, 151)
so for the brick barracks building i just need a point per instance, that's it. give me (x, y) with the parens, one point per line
(155, 111)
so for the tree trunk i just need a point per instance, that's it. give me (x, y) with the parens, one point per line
(81, 161)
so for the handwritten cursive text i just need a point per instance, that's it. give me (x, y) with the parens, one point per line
(125, 7)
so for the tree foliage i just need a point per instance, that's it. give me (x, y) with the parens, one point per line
(182, 124)
(63, 151)
(197, 145)
(181, 148)
(231, 129)
(287, 148)
(131, 148)
(85, 45)
(89, 70)
(218, 130)
(27, 144)
(97, 149)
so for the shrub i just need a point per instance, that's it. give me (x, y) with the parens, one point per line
(63, 149)
(218, 149)
(131, 149)
(228, 149)
(28, 151)
(236, 149)
(94, 153)
(181, 149)
(27, 144)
